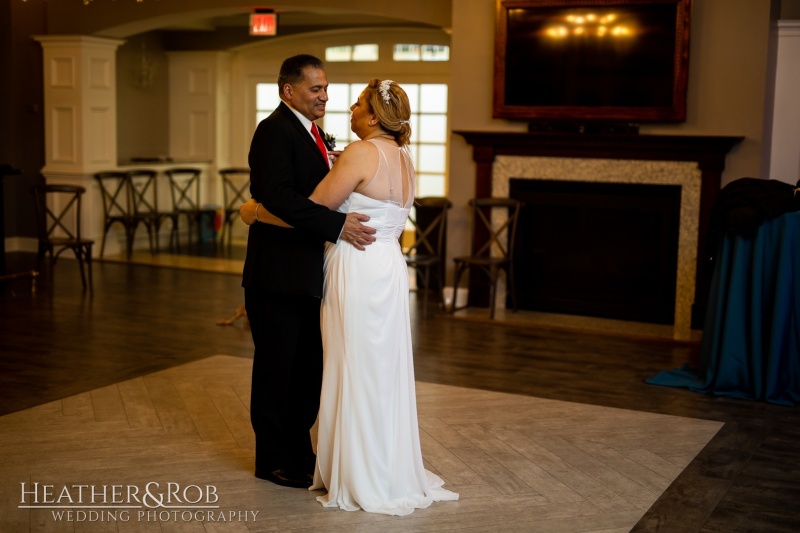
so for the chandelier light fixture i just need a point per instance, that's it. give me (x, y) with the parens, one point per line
(591, 24)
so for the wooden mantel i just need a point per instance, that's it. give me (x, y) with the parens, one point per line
(708, 152)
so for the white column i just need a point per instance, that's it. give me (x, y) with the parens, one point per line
(80, 110)
(80, 100)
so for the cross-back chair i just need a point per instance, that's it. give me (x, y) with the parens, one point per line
(114, 191)
(235, 191)
(143, 190)
(58, 213)
(184, 187)
(495, 253)
(129, 199)
(426, 253)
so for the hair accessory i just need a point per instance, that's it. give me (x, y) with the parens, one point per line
(404, 122)
(384, 89)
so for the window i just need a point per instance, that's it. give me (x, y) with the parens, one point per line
(435, 52)
(337, 113)
(425, 52)
(406, 52)
(401, 52)
(428, 146)
(338, 53)
(428, 101)
(267, 100)
(358, 52)
(429, 136)
(428, 128)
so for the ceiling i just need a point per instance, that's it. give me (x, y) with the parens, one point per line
(291, 22)
(225, 32)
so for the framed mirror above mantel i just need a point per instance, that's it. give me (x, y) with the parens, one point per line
(695, 163)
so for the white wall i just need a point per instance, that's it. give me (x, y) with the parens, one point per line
(785, 154)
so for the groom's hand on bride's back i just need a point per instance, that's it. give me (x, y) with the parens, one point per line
(357, 233)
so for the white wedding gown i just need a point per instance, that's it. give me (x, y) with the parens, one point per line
(368, 448)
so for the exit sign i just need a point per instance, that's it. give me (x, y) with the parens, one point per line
(263, 24)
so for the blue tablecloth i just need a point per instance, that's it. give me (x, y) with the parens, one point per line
(751, 338)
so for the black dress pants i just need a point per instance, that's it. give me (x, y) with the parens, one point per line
(287, 377)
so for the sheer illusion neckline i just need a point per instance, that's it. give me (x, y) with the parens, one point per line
(390, 176)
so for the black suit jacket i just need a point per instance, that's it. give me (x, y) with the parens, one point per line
(285, 167)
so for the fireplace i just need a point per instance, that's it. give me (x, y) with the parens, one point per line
(694, 164)
(606, 250)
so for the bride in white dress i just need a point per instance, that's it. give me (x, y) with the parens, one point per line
(368, 448)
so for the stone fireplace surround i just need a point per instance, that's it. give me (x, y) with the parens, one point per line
(694, 163)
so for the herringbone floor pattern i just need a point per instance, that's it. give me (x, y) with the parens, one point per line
(519, 463)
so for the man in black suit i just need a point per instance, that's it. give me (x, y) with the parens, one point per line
(283, 274)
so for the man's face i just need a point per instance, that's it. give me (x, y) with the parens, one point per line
(310, 95)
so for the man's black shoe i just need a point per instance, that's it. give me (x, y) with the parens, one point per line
(284, 478)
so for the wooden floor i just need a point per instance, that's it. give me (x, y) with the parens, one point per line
(528, 405)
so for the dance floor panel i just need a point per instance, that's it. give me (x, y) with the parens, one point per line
(173, 451)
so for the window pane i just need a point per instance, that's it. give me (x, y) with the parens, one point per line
(261, 115)
(413, 97)
(351, 137)
(431, 158)
(337, 116)
(338, 124)
(413, 152)
(267, 98)
(432, 129)
(406, 52)
(430, 185)
(435, 52)
(365, 52)
(355, 91)
(338, 97)
(338, 53)
(433, 98)
(414, 126)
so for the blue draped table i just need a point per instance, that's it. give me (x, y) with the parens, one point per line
(751, 338)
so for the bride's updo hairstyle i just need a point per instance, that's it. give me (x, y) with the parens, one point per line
(389, 103)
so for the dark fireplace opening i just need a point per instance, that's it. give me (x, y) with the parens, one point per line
(606, 250)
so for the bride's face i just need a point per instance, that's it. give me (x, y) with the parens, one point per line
(361, 118)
